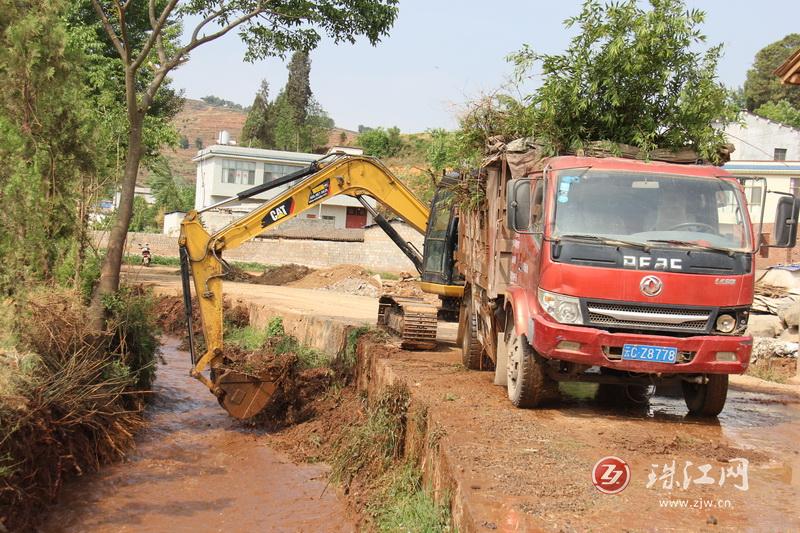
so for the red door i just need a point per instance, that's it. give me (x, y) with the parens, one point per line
(356, 217)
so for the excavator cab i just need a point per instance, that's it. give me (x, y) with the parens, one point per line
(439, 275)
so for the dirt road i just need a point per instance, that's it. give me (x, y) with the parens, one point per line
(521, 470)
(195, 469)
(531, 469)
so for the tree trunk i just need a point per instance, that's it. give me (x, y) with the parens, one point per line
(112, 262)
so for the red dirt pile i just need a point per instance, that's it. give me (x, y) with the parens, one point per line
(281, 275)
(351, 279)
(171, 317)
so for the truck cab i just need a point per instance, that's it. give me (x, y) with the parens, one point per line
(620, 272)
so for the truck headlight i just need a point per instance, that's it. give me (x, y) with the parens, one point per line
(726, 323)
(564, 309)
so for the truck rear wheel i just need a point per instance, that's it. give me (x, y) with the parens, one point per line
(528, 384)
(471, 349)
(706, 399)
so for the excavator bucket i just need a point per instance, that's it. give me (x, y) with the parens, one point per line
(241, 395)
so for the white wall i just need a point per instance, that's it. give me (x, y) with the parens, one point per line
(757, 138)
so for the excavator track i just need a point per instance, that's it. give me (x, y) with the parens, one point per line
(414, 320)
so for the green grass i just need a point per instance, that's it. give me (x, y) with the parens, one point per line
(374, 444)
(580, 391)
(250, 338)
(404, 504)
(246, 338)
(134, 259)
(384, 275)
(348, 360)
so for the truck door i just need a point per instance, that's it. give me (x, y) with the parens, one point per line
(529, 249)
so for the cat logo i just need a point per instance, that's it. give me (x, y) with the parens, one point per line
(320, 191)
(279, 212)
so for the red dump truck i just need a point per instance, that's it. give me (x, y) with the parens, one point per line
(609, 270)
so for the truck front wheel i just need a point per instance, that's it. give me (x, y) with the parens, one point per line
(528, 383)
(706, 399)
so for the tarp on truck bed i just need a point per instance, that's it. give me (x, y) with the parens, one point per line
(525, 155)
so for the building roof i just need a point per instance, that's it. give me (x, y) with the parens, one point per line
(789, 71)
(244, 152)
(785, 168)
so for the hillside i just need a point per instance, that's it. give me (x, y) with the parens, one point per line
(199, 120)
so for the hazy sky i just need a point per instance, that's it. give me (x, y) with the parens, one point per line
(440, 54)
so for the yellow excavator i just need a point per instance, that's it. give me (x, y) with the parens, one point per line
(413, 319)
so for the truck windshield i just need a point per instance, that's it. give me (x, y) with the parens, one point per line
(650, 209)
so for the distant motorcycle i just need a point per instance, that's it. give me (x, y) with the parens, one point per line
(146, 255)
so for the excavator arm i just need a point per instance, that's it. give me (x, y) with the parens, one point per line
(202, 257)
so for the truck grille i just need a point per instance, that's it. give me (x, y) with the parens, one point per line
(645, 317)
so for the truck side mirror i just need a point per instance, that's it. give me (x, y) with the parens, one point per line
(518, 207)
(786, 215)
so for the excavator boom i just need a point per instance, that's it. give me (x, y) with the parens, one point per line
(202, 258)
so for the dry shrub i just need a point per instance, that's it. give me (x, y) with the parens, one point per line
(68, 405)
(367, 450)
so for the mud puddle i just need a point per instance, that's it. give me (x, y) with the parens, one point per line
(195, 469)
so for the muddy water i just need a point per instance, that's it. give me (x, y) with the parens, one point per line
(195, 469)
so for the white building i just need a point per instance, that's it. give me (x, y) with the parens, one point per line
(138, 191)
(761, 139)
(769, 150)
(223, 171)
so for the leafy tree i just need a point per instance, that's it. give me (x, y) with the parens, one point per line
(781, 111)
(216, 101)
(287, 135)
(762, 85)
(381, 142)
(737, 97)
(298, 86)
(295, 120)
(441, 151)
(267, 28)
(170, 192)
(314, 132)
(198, 143)
(144, 215)
(259, 128)
(630, 76)
(105, 75)
(184, 142)
(50, 164)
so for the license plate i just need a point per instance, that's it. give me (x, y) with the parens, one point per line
(653, 354)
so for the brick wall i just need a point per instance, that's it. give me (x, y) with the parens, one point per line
(376, 252)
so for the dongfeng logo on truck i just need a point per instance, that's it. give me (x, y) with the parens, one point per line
(645, 262)
(281, 211)
(651, 286)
